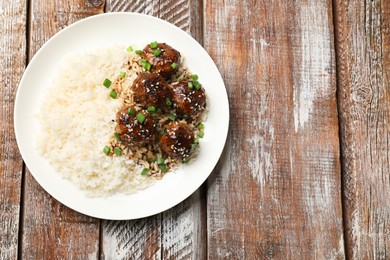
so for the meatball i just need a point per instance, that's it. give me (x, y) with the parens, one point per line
(135, 126)
(177, 140)
(151, 90)
(189, 98)
(164, 59)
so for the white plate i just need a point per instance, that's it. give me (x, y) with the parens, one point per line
(102, 31)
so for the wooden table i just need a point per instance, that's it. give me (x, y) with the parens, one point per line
(305, 173)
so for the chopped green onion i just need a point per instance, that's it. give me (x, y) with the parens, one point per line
(193, 147)
(106, 150)
(139, 52)
(185, 116)
(107, 83)
(201, 134)
(117, 136)
(153, 45)
(163, 131)
(201, 126)
(194, 77)
(145, 171)
(122, 74)
(163, 168)
(160, 161)
(172, 117)
(129, 49)
(113, 94)
(131, 111)
(168, 102)
(186, 160)
(117, 151)
(181, 79)
(196, 141)
(149, 160)
(151, 109)
(141, 117)
(174, 65)
(190, 85)
(145, 64)
(197, 85)
(156, 52)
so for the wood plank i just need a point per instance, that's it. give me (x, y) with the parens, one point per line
(177, 233)
(363, 64)
(276, 193)
(12, 63)
(51, 230)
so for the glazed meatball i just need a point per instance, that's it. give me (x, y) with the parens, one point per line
(177, 140)
(164, 59)
(150, 89)
(135, 126)
(189, 98)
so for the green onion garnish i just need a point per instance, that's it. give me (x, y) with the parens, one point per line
(131, 111)
(186, 160)
(139, 52)
(117, 136)
(151, 109)
(194, 77)
(145, 171)
(193, 147)
(185, 116)
(168, 102)
(129, 49)
(190, 85)
(153, 45)
(145, 64)
(106, 150)
(196, 141)
(201, 126)
(117, 151)
(181, 79)
(160, 161)
(113, 94)
(149, 160)
(201, 134)
(122, 74)
(107, 83)
(156, 52)
(141, 117)
(197, 85)
(174, 65)
(163, 131)
(172, 117)
(163, 168)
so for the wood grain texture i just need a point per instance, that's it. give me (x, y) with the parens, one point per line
(277, 191)
(179, 232)
(363, 62)
(51, 230)
(12, 63)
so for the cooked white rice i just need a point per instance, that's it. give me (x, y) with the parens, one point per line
(77, 119)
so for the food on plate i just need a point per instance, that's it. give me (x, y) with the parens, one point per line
(177, 140)
(135, 126)
(150, 89)
(164, 59)
(116, 120)
(189, 98)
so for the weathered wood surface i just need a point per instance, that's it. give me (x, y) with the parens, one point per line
(179, 232)
(276, 193)
(12, 63)
(363, 54)
(51, 230)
